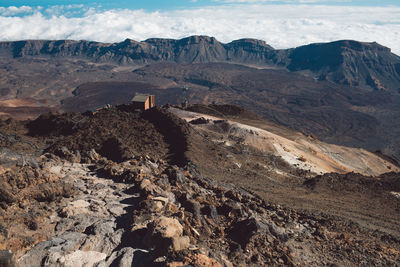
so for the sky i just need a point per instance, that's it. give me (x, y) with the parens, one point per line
(282, 24)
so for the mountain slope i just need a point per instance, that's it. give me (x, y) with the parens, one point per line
(306, 153)
(104, 188)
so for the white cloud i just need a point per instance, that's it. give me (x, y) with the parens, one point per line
(66, 10)
(281, 26)
(12, 10)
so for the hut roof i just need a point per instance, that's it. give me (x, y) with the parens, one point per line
(140, 98)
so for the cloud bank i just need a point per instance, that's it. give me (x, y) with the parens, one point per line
(281, 26)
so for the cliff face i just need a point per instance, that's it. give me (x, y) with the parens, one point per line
(350, 63)
(193, 49)
(368, 65)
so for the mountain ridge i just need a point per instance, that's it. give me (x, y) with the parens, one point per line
(367, 65)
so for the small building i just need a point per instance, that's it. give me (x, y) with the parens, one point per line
(143, 101)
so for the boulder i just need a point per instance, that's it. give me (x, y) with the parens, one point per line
(180, 243)
(211, 212)
(242, 231)
(125, 257)
(82, 258)
(278, 232)
(165, 234)
(192, 206)
(76, 207)
(151, 205)
(103, 243)
(232, 208)
(167, 227)
(175, 176)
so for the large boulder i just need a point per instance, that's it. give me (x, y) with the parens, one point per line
(165, 234)
(167, 227)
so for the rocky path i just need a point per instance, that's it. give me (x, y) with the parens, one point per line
(89, 226)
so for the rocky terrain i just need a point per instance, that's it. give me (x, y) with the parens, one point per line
(121, 188)
(343, 92)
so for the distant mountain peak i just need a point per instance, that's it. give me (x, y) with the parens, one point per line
(349, 62)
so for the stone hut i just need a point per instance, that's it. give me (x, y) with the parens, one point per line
(143, 101)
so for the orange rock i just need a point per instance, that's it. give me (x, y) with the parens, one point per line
(200, 260)
(176, 264)
(172, 208)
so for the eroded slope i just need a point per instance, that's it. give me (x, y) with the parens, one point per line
(303, 152)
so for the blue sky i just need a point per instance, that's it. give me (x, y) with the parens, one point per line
(152, 5)
(282, 24)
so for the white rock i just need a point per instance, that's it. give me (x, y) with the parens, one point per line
(81, 258)
(76, 207)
